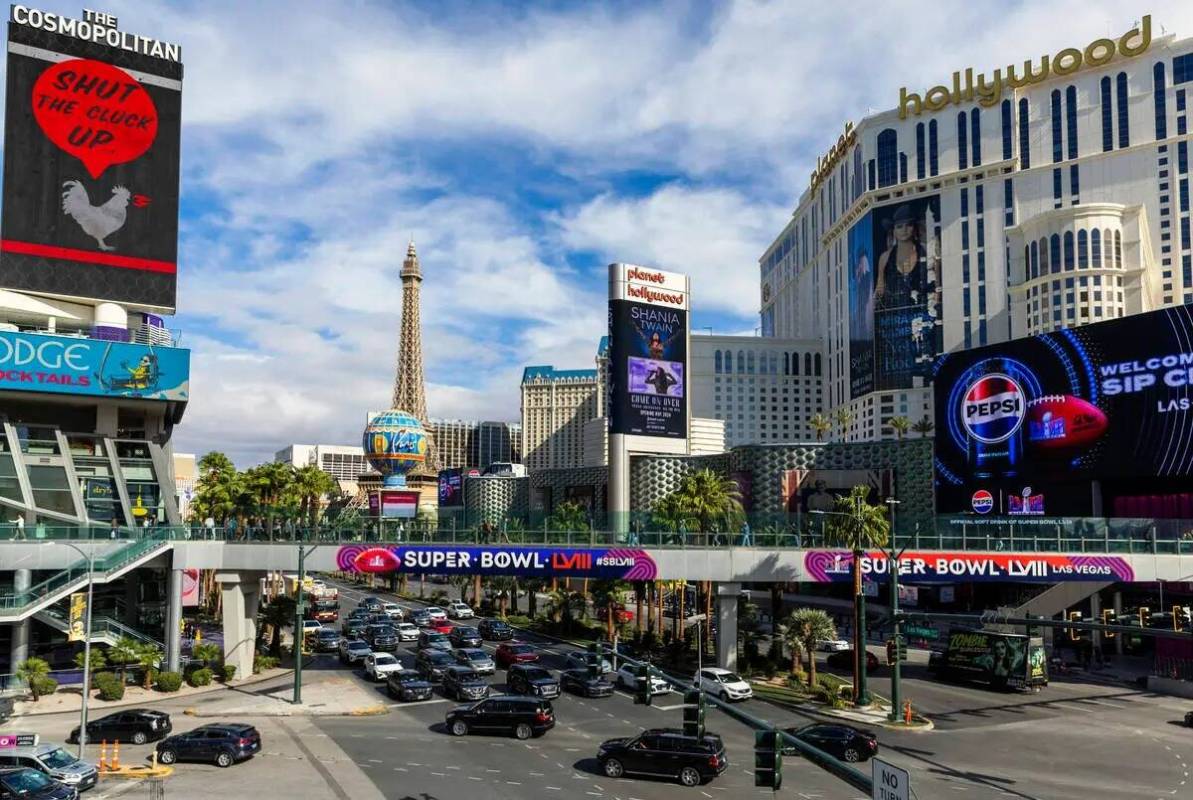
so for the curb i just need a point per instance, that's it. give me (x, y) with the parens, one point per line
(925, 725)
(161, 696)
(364, 711)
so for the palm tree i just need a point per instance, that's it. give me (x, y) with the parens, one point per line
(149, 656)
(562, 606)
(801, 630)
(669, 515)
(843, 416)
(607, 594)
(208, 653)
(98, 661)
(858, 526)
(123, 653)
(32, 671)
(901, 425)
(924, 426)
(709, 498)
(569, 517)
(311, 485)
(215, 489)
(820, 425)
(505, 587)
(278, 614)
(639, 597)
(269, 484)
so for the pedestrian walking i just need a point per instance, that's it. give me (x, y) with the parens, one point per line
(745, 534)
(20, 528)
(209, 526)
(114, 531)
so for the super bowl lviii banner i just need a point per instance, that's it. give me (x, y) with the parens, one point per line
(623, 563)
(78, 615)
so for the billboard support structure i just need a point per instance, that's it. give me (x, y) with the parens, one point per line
(649, 398)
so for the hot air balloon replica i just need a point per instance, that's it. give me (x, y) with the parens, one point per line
(395, 443)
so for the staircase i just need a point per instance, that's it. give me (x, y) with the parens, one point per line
(104, 629)
(1058, 598)
(22, 605)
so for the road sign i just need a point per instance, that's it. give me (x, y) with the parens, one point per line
(890, 782)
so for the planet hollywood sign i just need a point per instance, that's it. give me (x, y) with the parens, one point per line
(567, 562)
(828, 566)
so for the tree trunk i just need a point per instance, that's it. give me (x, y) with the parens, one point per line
(659, 610)
(649, 590)
(514, 598)
(776, 602)
(476, 590)
(639, 591)
(609, 623)
(679, 608)
(811, 668)
(532, 602)
(859, 644)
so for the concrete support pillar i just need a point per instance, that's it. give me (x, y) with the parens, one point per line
(239, 594)
(727, 597)
(21, 580)
(1095, 611)
(1118, 610)
(131, 599)
(174, 621)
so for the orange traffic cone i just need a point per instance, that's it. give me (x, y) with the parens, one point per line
(907, 712)
(103, 750)
(116, 755)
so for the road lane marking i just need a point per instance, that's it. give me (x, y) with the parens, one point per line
(400, 769)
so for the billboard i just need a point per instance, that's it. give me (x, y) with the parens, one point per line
(895, 327)
(648, 365)
(37, 362)
(91, 161)
(547, 562)
(833, 566)
(451, 488)
(1035, 420)
(393, 503)
(807, 490)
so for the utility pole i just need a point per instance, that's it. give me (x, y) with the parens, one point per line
(299, 635)
(892, 566)
(859, 646)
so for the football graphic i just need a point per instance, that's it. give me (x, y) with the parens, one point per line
(1063, 422)
(376, 559)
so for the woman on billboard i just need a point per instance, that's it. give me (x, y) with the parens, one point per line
(906, 299)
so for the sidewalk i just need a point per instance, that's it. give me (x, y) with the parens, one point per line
(324, 694)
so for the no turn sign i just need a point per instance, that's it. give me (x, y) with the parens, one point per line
(890, 782)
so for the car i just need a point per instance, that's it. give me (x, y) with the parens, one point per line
(844, 660)
(621, 614)
(578, 660)
(628, 680)
(377, 665)
(839, 741)
(1189, 719)
(515, 653)
(136, 725)
(494, 630)
(378, 618)
(407, 685)
(531, 679)
(833, 645)
(578, 681)
(310, 627)
(521, 717)
(222, 743)
(407, 632)
(23, 783)
(432, 663)
(327, 641)
(421, 617)
(459, 610)
(371, 604)
(437, 614)
(324, 610)
(382, 637)
(475, 658)
(354, 650)
(54, 761)
(664, 752)
(465, 637)
(464, 683)
(441, 627)
(434, 641)
(393, 611)
(723, 684)
(353, 628)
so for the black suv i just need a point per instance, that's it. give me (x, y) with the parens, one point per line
(494, 630)
(839, 741)
(432, 663)
(407, 685)
(465, 637)
(353, 628)
(531, 679)
(24, 783)
(522, 717)
(464, 683)
(222, 744)
(327, 641)
(578, 681)
(665, 752)
(136, 725)
(382, 637)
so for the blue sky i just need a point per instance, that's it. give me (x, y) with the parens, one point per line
(524, 147)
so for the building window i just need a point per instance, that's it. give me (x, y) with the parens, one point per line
(1107, 118)
(1124, 118)
(741, 362)
(1096, 247)
(1008, 201)
(1006, 129)
(1118, 251)
(919, 151)
(962, 145)
(1082, 250)
(932, 157)
(1054, 252)
(1182, 158)
(1024, 135)
(1158, 90)
(1056, 126)
(728, 361)
(1071, 119)
(870, 175)
(1068, 251)
(795, 363)
(1035, 260)
(1043, 256)
(1074, 183)
(1184, 194)
(964, 202)
(1056, 187)
(718, 362)
(902, 168)
(750, 362)
(975, 135)
(1182, 69)
(808, 363)
(816, 369)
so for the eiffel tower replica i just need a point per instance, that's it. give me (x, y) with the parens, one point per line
(410, 392)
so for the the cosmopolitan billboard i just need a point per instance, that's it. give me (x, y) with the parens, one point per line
(35, 362)
(91, 160)
(1037, 417)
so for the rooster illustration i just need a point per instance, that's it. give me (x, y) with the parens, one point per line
(99, 222)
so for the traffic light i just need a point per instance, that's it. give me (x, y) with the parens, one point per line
(1108, 618)
(1145, 617)
(1178, 617)
(642, 695)
(693, 714)
(892, 652)
(1074, 634)
(768, 760)
(592, 660)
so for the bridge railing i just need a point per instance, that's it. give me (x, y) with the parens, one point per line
(945, 533)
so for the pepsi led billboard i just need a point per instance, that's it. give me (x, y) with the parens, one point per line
(1034, 421)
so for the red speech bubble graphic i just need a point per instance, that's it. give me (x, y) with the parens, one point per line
(96, 112)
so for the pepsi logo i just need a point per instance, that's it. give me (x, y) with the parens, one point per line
(993, 408)
(982, 501)
(376, 559)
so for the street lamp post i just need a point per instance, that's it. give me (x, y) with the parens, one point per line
(892, 566)
(861, 690)
(299, 633)
(90, 556)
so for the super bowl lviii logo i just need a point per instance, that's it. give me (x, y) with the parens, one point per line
(993, 408)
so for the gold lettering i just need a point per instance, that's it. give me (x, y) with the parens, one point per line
(906, 99)
(1028, 75)
(936, 98)
(1144, 32)
(989, 95)
(956, 88)
(1107, 47)
(968, 84)
(1073, 56)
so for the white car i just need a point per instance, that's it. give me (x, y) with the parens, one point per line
(393, 611)
(407, 631)
(723, 684)
(310, 626)
(458, 610)
(627, 680)
(833, 645)
(378, 665)
(437, 614)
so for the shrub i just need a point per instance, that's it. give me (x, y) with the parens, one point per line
(110, 687)
(200, 677)
(518, 621)
(42, 685)
(169, 681)
(227, 672)
(262, 663)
